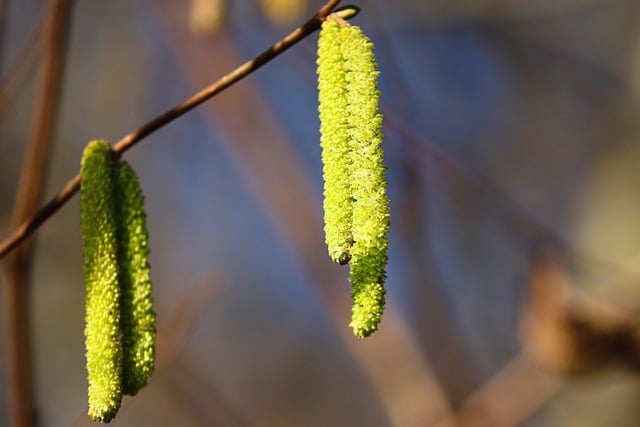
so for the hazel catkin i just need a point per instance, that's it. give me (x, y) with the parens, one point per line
(356, 206)
(334, 140)
(137, 318)
(102, 321)
(370, 213)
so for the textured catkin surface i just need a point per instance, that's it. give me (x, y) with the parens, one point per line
(370, 212)
(137, 317)
(102, 323)
(334, 140)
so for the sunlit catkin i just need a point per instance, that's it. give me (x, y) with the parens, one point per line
(370, 211)
(102, 321)
(137, 317)
(334, 140)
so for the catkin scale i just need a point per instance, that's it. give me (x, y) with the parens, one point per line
(102, 322)
(334, 140)
(370, 210)
(137, 317)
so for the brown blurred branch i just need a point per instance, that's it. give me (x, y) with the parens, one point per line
(20, 69)
(201, 401)
(3, 27)
(504, 204)
(431, 307)
(185, 316)
(30, 225)
(507, 399)
(18, 267)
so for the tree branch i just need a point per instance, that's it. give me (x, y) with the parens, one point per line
(18, 266)
(19, 71)
(45, 212)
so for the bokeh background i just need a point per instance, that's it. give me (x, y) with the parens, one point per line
(514, 177)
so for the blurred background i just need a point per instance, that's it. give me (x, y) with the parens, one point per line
(513, 161)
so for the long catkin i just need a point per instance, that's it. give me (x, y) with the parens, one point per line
(370, 217)
(137, 318)
(102, 321)
(356, 207)
(334, 140)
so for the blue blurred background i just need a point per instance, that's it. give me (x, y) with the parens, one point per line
(510, 132)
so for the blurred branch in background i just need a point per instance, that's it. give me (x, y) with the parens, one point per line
(20, 70)
(34, 169)
(442, 338)
(508, 399)
(3, 31)
(553, 332)
(202, 400)
(501, 203)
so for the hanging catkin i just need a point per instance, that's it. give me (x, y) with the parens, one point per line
(137, 317)
(356, 207)
(334, 140)
(102, 322)
(370, 217)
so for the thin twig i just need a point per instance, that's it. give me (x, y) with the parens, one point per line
(45, 212)
(18, 266)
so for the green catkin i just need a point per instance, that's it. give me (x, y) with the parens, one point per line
(102, 322)
(334, 140)
(137, 317)
(370, 212)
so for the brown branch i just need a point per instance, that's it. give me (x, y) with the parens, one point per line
(507, 399)
(18, 266)
(19, 71)
(3, 29)
(516, 215)
(45, 212)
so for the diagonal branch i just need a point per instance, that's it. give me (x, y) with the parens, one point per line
(45, 212)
